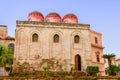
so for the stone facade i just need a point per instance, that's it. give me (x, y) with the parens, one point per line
(45, 48)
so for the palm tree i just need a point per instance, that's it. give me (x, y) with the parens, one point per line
(109, 57)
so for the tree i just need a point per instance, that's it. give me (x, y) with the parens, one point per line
(6, 56)
(109, 57)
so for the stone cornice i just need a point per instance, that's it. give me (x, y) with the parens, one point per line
(10, 38)
(52, 25)
(93, 45)
(3, 25)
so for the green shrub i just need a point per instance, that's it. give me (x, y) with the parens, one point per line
(92, 70)
(51, 74)
(112, 70)
(45, 68)
(62, 73)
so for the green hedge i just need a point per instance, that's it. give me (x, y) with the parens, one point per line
(92, 70)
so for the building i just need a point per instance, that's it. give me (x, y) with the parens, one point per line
(97, 50)
(117, 62)
(62, 39)
(57, 42)
(5, 39)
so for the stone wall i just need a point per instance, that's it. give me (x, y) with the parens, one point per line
(59, 78)
(45, 48)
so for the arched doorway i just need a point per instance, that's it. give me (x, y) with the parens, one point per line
(78, 62)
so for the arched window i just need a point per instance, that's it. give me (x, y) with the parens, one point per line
(76, 39)
(56, 38)
(11, 46)
(98, 57)
(96, 40)
(34, 37)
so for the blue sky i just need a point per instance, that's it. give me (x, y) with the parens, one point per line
(102, 15)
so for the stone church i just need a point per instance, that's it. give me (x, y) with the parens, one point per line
(56, 42)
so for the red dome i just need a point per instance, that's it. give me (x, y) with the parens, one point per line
(35, 16)
(53, 17)
(70, 18)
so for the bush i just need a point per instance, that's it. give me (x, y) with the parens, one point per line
(92, 70)
(62, 73)
(112, 70)
(45, 68)
(51, 74)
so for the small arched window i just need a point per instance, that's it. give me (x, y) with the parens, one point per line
(56, 38)
(96, 40)
(98, 57)
(11, 46)
(76, 39)
(35, 37)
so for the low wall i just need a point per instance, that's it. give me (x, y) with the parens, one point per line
(60, 78)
